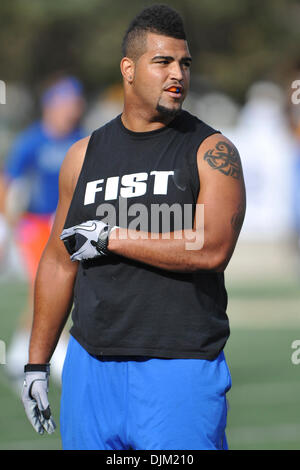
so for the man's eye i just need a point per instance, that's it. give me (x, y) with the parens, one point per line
(163, 62)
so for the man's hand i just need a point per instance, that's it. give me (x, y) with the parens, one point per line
(87, 240)
(35, 397)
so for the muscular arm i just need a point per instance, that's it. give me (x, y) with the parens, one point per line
(222, 195)
(54, 283)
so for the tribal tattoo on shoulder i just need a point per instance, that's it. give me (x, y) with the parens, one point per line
(225, 158)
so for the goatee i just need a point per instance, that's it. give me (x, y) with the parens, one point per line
(167, 112)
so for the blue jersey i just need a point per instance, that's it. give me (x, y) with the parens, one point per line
(36, 157)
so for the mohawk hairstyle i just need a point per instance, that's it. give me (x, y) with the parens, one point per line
(159, 19)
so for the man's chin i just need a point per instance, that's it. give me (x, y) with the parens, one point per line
(167, 112)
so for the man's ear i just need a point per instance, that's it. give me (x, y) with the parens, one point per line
(127, 69)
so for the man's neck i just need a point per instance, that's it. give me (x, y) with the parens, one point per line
(139, 121)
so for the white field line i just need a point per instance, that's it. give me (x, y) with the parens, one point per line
(264, 313)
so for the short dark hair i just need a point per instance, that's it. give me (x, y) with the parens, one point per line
(159, 19)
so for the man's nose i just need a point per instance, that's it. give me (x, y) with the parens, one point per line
(176, 72)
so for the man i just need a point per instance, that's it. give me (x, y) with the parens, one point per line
(145, 367)
(29, 192)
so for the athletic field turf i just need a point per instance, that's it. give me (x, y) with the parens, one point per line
(264, 400)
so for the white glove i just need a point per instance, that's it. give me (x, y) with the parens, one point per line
(87, 240)
(35, 397)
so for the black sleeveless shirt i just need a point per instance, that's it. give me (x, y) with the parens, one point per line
(146, 181)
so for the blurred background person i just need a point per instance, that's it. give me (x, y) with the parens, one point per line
(293, 118)
(29, 195)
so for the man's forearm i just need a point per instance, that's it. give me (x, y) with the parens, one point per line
(52, 304)
(181, 251)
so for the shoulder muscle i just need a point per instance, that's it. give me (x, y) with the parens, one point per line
(221, 155)
(72, 165)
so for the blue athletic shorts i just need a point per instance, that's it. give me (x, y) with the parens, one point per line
(142, 403)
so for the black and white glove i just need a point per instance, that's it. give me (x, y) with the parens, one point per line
(87, 240)
(35, 397)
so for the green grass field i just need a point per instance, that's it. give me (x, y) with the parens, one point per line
(264, 402)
